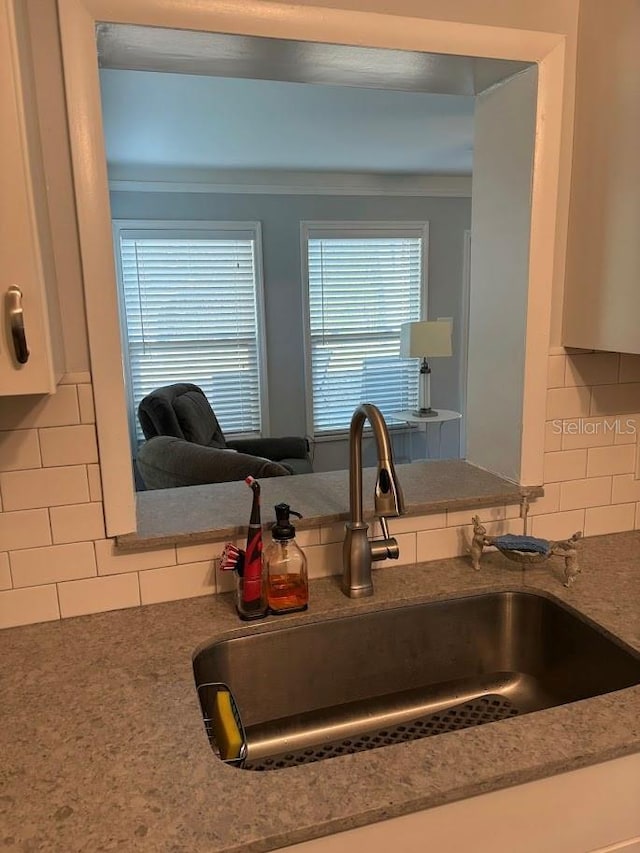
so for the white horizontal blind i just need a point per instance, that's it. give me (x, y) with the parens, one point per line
(190, 311)
(361, 289)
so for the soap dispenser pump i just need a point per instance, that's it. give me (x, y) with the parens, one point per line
(286, 566)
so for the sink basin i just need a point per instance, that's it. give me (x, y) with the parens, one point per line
(338, 686)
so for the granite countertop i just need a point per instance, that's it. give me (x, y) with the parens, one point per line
(103, 745)
(221, 510)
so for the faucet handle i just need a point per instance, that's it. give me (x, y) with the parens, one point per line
(386, 548)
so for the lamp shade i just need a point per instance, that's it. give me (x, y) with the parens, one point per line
(426, 339)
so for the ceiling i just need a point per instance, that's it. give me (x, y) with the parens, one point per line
(178, 99)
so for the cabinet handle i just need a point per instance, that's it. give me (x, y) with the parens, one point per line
(16, 323)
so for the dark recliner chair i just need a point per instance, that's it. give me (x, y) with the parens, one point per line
(186, 447)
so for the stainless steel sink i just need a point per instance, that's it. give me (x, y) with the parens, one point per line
(342, 685)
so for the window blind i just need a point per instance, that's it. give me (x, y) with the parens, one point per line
(190, 312)
(361, 289)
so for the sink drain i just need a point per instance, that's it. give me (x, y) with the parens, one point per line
(485, 709)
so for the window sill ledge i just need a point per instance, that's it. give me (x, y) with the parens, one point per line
(197, 514)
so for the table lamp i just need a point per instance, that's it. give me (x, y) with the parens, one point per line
(426, 339)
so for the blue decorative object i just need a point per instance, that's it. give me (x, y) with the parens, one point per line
(510, 542)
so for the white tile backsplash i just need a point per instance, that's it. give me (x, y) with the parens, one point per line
(52, 527)
(5, 573)
(71, 445)
(53, 563)
(19, 449)
(96, 595)
(44, 487)
(59, 409)
(113, 561)
(85, 401)
(187, 580)
(26, 529)
(77, 523)
(25, 606)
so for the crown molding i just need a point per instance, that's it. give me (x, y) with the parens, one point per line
(133, 179)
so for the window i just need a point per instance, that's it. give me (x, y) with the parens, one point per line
(363, 281)
(191, 306)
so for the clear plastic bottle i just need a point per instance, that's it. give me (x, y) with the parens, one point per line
(286, 566)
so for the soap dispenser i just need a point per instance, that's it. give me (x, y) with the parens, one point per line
(286, 566)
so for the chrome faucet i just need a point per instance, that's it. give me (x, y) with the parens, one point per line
(358, 552)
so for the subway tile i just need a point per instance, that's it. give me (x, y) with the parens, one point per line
(5, 574)
(549, 502)
(499, 528)
(44, 487)
(568, 402)
(332, 532)
(594, 491)
(620, 459)
(24, 529)
(564, 465)
(440, 544)
(26, 606)
(85, 401)
(198, 553)
(59, 409)
(403, 524)
(71, 445)
(558, 525)
(629, 428)
(626, 488)
(413, 523)
(513, 511)
(310, 536)
(112, 561)
(587, 432)
(96, 595)
(629, 368)
(461, 517)
(609, 519)
(407, 547)
(620, 399)
(95, 482)
(324, 560)
(77, 522)
(36, 566)
(555, 371)
(597, 368)
(553, 436)
(19, 449)
(188, 580)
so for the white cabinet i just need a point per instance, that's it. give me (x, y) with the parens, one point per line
(591, 810)
(602, 289)
(26, 260)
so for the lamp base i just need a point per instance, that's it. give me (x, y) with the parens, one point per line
(425, 413)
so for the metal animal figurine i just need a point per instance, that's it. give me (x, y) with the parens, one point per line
(527, 549)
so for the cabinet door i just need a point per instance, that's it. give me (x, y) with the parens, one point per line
(602, 292)
(21, 222)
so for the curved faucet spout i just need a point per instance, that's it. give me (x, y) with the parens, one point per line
(358, 551)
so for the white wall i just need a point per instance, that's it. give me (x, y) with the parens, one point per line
(280, 216)
(500, 227)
